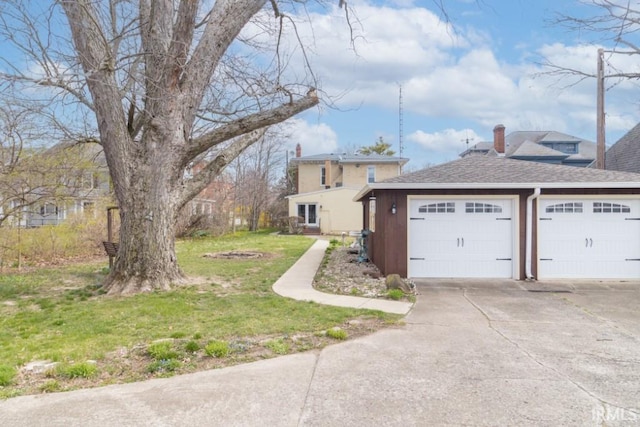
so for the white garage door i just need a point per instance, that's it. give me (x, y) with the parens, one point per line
(460, 238)
(589, 238)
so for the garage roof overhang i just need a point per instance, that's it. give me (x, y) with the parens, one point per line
(492, 186)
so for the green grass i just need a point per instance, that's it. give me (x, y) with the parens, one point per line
(61, 315)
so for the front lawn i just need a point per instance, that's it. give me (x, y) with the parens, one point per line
(228, 314)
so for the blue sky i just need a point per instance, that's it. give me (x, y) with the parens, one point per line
(459, 78)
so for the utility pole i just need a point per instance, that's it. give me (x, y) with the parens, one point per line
(600, 124)
(400, 124)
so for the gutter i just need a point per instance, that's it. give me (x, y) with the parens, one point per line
(495, 186)
(529, 234)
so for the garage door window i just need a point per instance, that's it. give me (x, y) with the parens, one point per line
(599, 207)
(444, 207)
(572, 207)
(482, 208)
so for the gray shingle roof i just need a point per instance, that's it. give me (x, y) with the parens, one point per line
(624, 155)
(531, 149)
(500, 170)
(513, 141)
(349, 158)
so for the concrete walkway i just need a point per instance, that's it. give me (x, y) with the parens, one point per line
(297, 283)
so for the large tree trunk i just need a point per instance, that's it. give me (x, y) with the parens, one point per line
(146, 258)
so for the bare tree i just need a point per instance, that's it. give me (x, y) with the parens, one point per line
(166, 82)
(257, 176)
(613, 24)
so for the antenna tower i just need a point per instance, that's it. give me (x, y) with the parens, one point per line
(400, 124)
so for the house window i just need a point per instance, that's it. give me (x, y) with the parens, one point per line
(482, 208)
(323, 176)
(371, 174)
(563, 147)
(599, 207)
(48, 209)
(571, 207)
(443, 207)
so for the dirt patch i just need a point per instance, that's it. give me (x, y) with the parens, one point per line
(237, 255)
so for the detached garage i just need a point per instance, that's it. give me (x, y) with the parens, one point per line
(491, 217)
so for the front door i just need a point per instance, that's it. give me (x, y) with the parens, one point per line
(309, 214)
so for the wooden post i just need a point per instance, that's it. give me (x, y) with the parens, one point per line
(110, 210)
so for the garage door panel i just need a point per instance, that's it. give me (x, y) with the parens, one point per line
(599, 240)
(460, 238)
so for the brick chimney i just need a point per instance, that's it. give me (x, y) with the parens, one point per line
(327, 173)
(498, 139)
(298, 150)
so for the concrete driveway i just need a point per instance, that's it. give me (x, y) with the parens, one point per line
(472, 353)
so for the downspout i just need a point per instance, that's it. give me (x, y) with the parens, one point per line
(529, 234)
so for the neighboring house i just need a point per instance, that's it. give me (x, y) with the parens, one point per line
(327, 183)
(84, 181)
(624, 155)
(537, 146)
(492, 217)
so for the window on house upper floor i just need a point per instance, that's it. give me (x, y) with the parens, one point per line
(48, 209)
(563, 147)
(371, 174)
(323, 175)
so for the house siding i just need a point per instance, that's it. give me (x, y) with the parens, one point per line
(343, 175)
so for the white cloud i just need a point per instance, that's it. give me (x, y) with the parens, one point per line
(460, 75)
(313, 138)
(448, 143)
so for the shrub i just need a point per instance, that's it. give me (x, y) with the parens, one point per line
(7, 374)
(192, 347)
(164, 365)
(50, 386)
(217, 349)
(337, 333)
(162, 350)
(277, 346)
(395, 294)
(77, 370)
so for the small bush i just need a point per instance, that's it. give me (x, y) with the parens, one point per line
(51, 386)
(277, 346)
(337, 333)
(164, 365)
(197, 336)
(7, 374)
(77, 370)
(395, 294)
(217, 349)
(162, 350)
(192, 347)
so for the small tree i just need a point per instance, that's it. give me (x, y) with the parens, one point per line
(380, 147)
